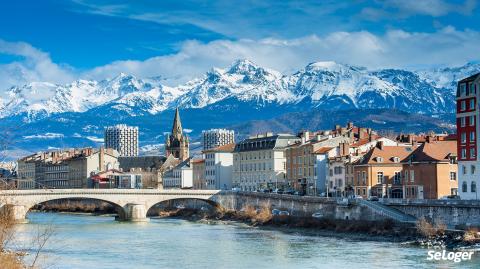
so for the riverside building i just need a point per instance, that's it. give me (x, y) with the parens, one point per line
(468, 112)
(259, 162)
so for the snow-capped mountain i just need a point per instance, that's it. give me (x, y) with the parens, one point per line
(327, 85)
(243, 92)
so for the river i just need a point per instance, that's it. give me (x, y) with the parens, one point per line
(84, 241)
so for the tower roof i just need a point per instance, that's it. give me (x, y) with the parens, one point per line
(177, 125)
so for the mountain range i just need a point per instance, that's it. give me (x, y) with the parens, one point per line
(42, 115)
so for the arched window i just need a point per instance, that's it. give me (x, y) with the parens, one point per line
(473, 187)
(464, 186)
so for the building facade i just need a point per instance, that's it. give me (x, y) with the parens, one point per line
(199, 181)
(177, 143)
(259, 162)
(123, 139)
(468, 133)
(218, 167)
(180, 177)
(304, 158)
(418, 171)
(67, 168)
(217, 137)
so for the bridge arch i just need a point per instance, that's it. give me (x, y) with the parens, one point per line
(183, 201)
(69, 201)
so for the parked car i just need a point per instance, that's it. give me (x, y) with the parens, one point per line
(358, 197)
(266, 191)
(299, 193)
(373, 198)
(290, 192)
(284, 213)
(278, 191)
(235, 189)
(317, 215)
(275, 212)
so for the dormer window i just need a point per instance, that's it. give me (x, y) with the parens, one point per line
(379, 159)
(396, 159)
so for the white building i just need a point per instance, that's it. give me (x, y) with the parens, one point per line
(122, 138)
(217, 137)
(468, 135)
(180, 177)
(259, 162)
(219, 167)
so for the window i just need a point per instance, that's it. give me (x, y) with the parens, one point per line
(462, 121)
(396, 178)
(379, 177)
(463, 89)
(364, 177)
(473, 186)
(464, 153)
(396, 159)
(473, 168)
(472, 103)
(412, 176)
(379, 159)
(472, 121)
(463, 105)
(472, 136)
(464, 138)
(406, 175)
(464, 186)
(472, 152)
(453, 176)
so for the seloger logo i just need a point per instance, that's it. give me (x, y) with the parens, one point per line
(449, 256)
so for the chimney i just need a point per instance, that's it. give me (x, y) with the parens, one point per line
(380, 145)
(307, 135)
(350, 125)
(344, 149)
(337, 127)
(101, 161)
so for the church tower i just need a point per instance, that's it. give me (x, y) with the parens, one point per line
(177, 143)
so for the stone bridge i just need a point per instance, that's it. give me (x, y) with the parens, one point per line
(131, 204)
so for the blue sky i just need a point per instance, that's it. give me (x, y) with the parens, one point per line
(61, 40)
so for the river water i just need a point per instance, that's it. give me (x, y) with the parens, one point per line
(82, 241)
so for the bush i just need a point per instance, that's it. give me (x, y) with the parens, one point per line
(471, 235)
(425, 228)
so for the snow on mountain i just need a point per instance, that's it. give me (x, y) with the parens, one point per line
(326, 85)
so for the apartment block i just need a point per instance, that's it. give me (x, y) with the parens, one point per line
(468, 134)
(217, 137)
(418, 171)
(218, 167)
(259, 162)
(123, 139)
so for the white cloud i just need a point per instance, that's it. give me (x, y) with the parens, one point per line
(95, 139)
(394, 49)
(44, 136)
(434, 8)
(32, 65)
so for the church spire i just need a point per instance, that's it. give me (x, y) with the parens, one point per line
(177, 125)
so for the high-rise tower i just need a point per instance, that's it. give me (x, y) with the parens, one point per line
(176, 143)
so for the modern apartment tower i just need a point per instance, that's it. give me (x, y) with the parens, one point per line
(122, 138)
(217, 137)
(468, 112)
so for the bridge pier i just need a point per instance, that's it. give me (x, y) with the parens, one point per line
(135, 213)
(15, 213)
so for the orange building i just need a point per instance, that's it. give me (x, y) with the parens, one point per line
(417, 171)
